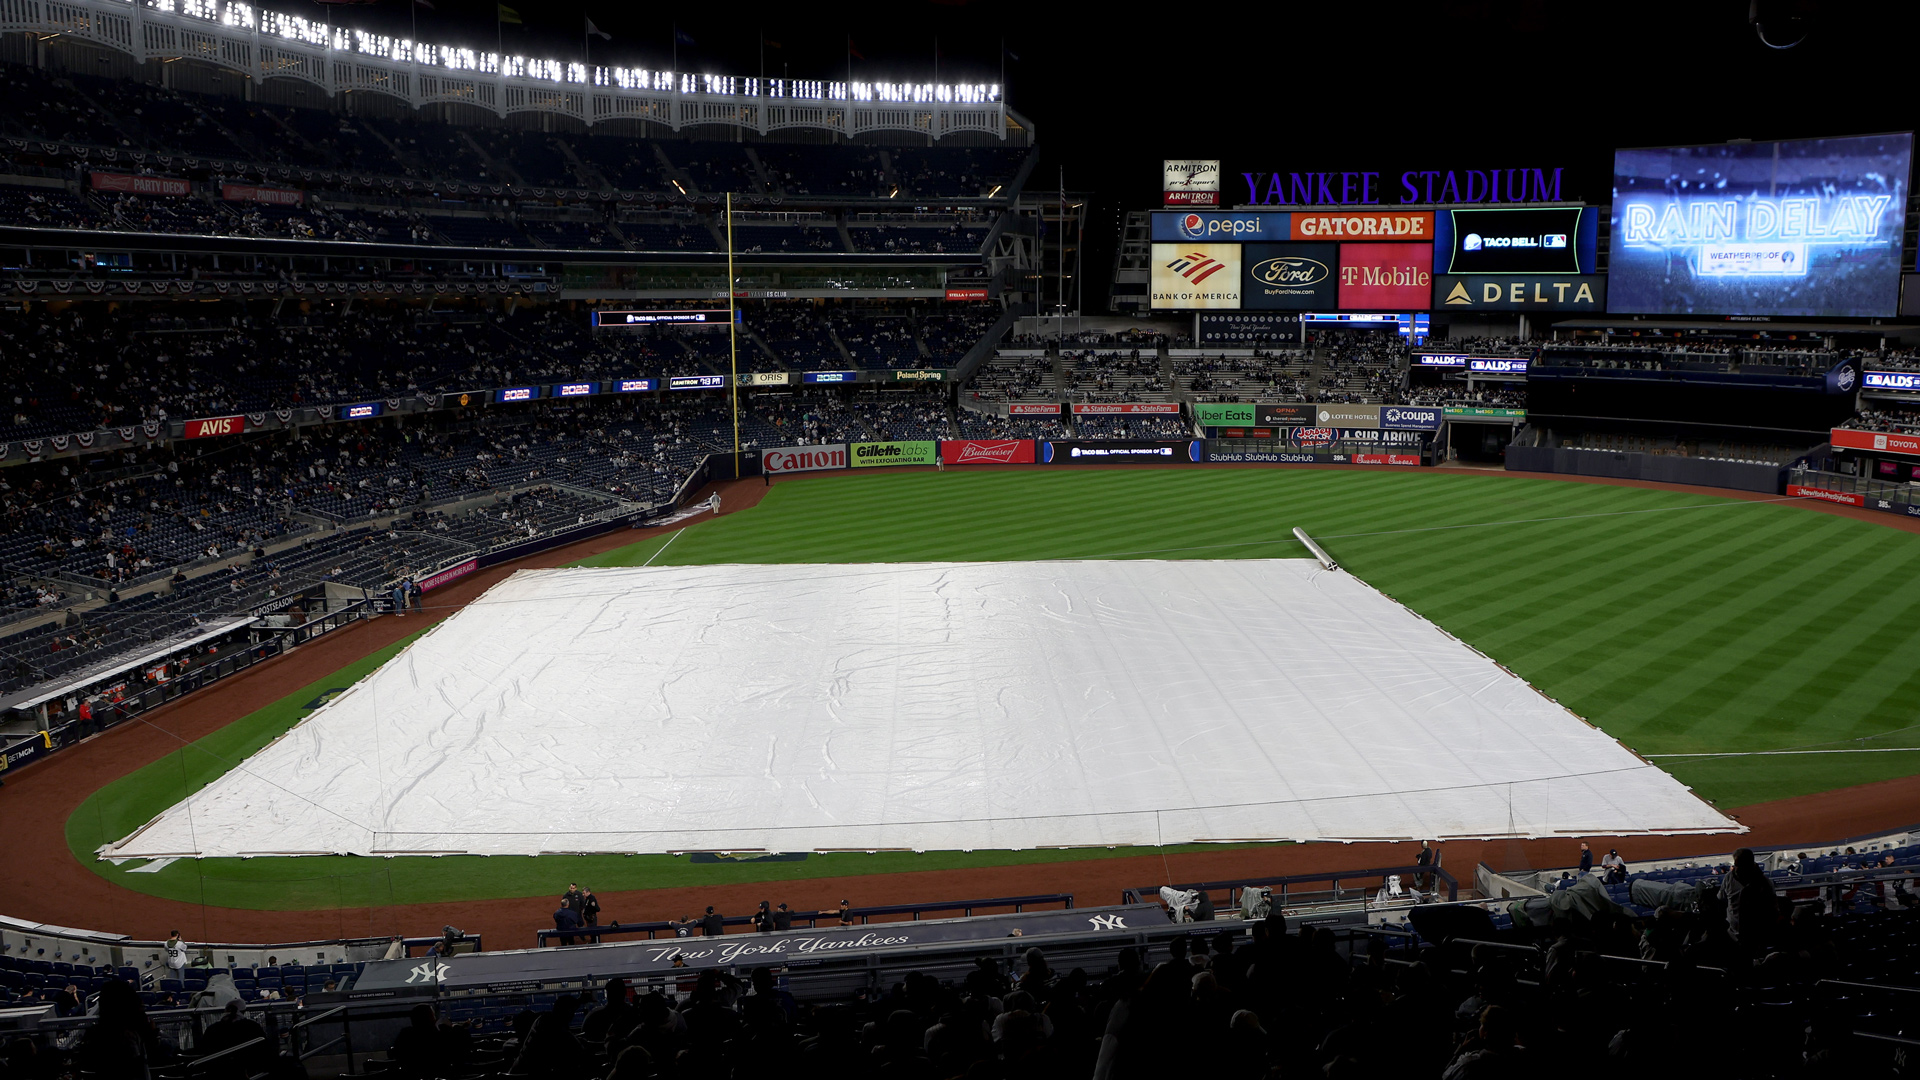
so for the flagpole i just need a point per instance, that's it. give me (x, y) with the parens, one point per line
(733, 340)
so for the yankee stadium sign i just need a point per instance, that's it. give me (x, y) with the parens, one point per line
(1411, 187)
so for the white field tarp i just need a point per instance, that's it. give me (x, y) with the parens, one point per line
(925, 706)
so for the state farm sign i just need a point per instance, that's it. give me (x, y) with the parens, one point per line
(216, 425)
(786, 459)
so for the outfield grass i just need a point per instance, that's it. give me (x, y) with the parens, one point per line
(1680, 623)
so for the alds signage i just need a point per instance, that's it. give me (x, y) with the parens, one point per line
(1520, 292)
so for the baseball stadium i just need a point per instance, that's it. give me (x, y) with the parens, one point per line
(481, 524)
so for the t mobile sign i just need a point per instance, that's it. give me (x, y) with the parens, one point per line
(1386, 277)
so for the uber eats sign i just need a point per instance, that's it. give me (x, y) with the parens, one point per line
(1229, 414)
(867, 455)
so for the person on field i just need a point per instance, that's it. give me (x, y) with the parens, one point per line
(712, 925)
(564, 919)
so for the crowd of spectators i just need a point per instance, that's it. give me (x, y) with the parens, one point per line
(1360, 366)
(1265, 375)
(1904, 421)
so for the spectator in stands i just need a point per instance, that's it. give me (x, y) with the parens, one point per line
(176, 953)
(122, 1041)
(551, 1048)
(1491, 1051)
(564, 919)
(1425, 858)
(613, 1018)
(1586, 859)
(712, 925)
(235, 1028)
(1615, 866)
(1749, 898)
(426, 1047)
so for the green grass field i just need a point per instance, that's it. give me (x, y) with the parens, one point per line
(1680, 623)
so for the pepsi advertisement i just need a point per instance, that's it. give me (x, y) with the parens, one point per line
(1807, 227)
(1210, 226)
(1530, 240)
(1295, 277)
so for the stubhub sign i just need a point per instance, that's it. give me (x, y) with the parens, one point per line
(1180, 228)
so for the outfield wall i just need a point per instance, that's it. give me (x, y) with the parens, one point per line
(1665, 468)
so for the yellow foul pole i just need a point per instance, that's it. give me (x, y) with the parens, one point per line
(733, 341)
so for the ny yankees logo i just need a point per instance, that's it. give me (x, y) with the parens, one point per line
(1100, 922)
(427, 972)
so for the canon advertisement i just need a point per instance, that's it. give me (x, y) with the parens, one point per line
(1808, 227)
(1526, 240)
(1389, 277)
(1196, 276)
(1296, 277)
(790, 459)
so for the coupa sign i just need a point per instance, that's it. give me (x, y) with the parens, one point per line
(788, 459)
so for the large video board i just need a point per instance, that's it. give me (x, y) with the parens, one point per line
(1526, 240)
(1806, 227)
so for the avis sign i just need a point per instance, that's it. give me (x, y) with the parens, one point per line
(215, 425)
(1519, 292)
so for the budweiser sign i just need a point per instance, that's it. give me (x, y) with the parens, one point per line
(216, 425)
(1892, 442)
(987, 452)
(138, 185)
(1824, 495)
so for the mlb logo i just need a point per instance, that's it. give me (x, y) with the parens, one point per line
(1554, 240)
(1879, 442)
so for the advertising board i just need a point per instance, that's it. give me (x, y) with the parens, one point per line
(1142, 451)
(1126, 408)
(634, 386)
(1190, 181)
(1497, 365)
(1440, 360)
(1462, 412)
(1197, 276)
(216, 425)
(1890, 380)
(987, 451)
(696, 382)
(1520, 292)
(1404, 187)
(1362, 225)
(508, 394)
(1224, 414)
(829, 376)
(1807, 227)
(1203, 226)
(268, 195)
(1411, 417)
(1517, 240)
(1283, 415)
(973, 293)
(920, 375)
(1246, 327)
(766, 378)
(1891, 442)
(449, 575)
(573, 389)
(1847, 498)
(918, 452)
(1297, 277)
(1386, 459)
(1394, 277)
(366, 410)
(682, 317)
(138, 185)
(789, 459)
(1034, 408)
(1357, 416)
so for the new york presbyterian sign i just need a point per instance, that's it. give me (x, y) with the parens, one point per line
(1441, 187)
